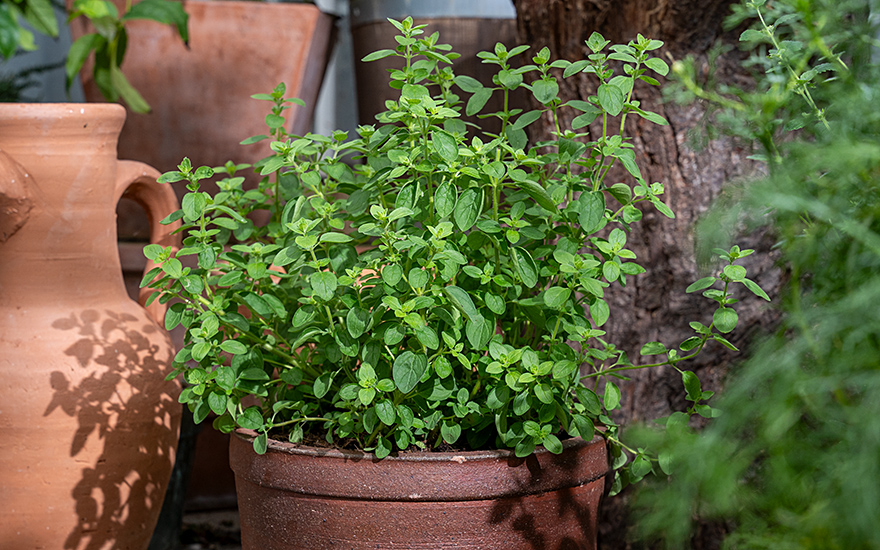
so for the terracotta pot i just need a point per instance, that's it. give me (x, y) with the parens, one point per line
(298, 497)
(88, 425)
(201, 95)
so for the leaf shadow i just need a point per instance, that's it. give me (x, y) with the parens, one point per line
(127, 425)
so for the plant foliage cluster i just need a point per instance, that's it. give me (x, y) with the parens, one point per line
(793, 463)
(425, 283)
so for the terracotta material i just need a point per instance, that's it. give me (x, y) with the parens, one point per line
(88, 426)
(200, 95)
(298, 497)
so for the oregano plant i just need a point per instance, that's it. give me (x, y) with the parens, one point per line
(425, 284)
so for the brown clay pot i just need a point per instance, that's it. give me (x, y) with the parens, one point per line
(298, 497)
(88, 425)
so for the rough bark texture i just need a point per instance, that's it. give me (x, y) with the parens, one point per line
(654, 306)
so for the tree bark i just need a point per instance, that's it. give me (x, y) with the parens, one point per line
(654, 306)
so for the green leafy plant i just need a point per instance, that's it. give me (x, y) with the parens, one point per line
(425, 283)
(108, 43)
(39, 14)
(793, 461)
(110, 39)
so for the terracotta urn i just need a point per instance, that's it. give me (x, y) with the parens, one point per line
(88, 424)
(296, 497)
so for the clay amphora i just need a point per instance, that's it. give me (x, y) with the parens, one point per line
(296, 497)
(88, 425)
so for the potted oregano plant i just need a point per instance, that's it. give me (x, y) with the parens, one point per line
(421, 287)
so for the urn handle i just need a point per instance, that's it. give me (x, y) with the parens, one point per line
(137, 181)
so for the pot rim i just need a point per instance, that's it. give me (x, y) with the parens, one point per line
(430, 476)
(406, 456)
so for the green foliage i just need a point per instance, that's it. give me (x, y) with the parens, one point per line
(109, 41)
(419, 284)
(39, 14)
(793, 462)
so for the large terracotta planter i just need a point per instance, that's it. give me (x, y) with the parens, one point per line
(200, 95)
(297, 497)
(88, 425)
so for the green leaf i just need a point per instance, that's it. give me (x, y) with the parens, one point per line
(444, 200)
(556, 297)
(591, 211)
(445, 145)
(583, 426)
(126, 91)
(450, 431)
(461, 300)
(611, 98)
(334, 237)
(428, 337)
(752, 35)
(468, 84)
(174, 314)
(552, 444)
(657, 65)
(545, 90)
(477, 101)
(173, 268)
(386, 412)
(735, 273)
(589, 399)
(662, 208)
(392, 274)
(612, 396)
(468, 208)
(79, 52)
(544, 393)
(725, 319)
(41, 16)
(322, 384)
(217, 402)
(599, 311)
(538, 193)
(356, 321)
(383, 448)
(524, 266)
(524, 448)
(234, 347)
(377, 55)
(479, 331)
(323, 284)
(691, 385)
(495, 303)
(250, 419)
(653, 348)
(703, 283)
(161, 11)
(407, 370)
(261, 443)
(756, 290)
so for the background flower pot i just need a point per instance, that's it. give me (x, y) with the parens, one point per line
(304, 497)
(88, 425)
(232, 54)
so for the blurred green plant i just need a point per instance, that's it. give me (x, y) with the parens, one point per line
(38, 14)
(110, 39)
(108, 42)
(794, 460)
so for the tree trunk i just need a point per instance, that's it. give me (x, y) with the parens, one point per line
(654, 306)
